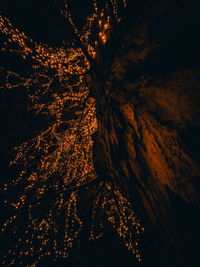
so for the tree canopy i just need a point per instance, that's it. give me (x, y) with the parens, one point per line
(112, 105)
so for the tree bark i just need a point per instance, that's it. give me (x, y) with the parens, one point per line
(148, 126)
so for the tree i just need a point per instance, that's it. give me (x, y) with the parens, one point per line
(119, 138)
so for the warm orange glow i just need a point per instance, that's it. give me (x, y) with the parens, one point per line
(55, 159)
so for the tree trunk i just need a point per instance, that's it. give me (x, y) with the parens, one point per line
(147, 140)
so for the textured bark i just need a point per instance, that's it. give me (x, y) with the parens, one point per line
(147, 141)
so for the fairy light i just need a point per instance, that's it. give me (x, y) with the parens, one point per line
(66, 61)
(119, 212)
(60, 156)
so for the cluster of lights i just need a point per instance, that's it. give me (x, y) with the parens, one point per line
(119, 212)
(65, 156)
(58, 160)
(104, 26)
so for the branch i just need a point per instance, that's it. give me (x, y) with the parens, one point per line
(67, 15)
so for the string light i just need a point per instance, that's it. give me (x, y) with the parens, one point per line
(59, 157)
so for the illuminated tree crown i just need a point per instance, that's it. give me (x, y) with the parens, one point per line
(58, 162)
(111, 144)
